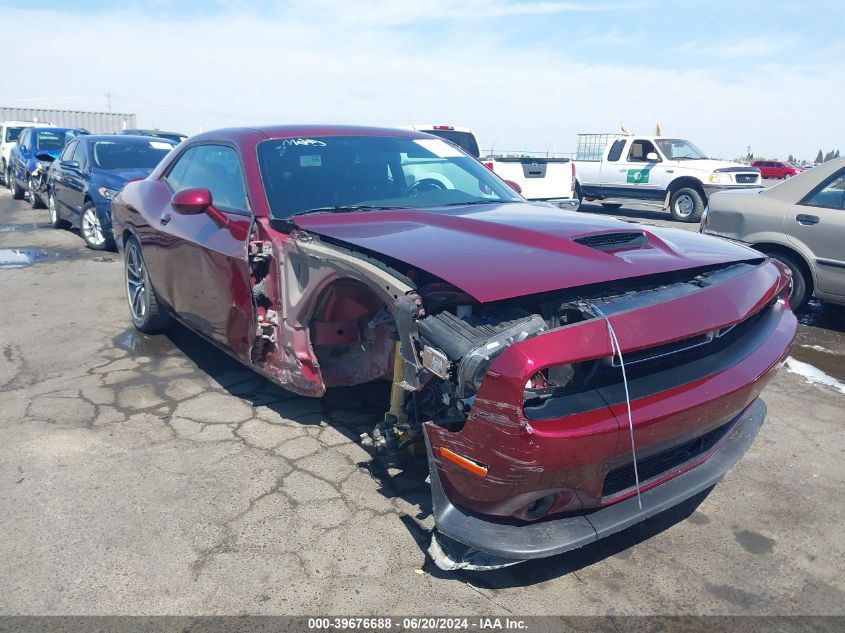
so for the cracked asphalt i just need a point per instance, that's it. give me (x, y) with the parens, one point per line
(154, 475)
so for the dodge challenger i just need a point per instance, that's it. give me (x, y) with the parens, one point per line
(565, 375)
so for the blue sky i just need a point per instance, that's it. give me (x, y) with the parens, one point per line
(525, 75)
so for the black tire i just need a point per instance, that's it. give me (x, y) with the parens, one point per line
(686, 205)
(145, 309)
(35, 200)
(56, 220)
(611, 206)
(91, 229)
(801, 290)
(4, 173)
(17, 192)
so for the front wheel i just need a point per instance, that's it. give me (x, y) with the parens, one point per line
(92, 231)
(17, 192)
(148, 315)
(787, 175)
(686, 205)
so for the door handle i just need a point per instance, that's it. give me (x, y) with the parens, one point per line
(165, 218)
(623, 170)
(670, 171)
(807, 220)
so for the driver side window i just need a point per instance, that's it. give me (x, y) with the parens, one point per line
(639, 151)
(213, 167)
(831, 196)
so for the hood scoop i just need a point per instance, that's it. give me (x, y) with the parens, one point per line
(613, 241)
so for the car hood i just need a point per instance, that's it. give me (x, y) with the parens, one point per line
(499, 251)
(710, 165)
(116, 178)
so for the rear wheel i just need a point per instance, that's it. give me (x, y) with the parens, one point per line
(787, 175)
(799, 292)
(53, 207)
(686, 205)
(34, 200)
(611, 206)
(148, 315)
(17, 192)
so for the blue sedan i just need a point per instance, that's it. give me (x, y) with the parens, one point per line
(30, 160)
(90, 172)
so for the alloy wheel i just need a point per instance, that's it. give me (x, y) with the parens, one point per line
(91, 228)
(684, 205)
(136, 282)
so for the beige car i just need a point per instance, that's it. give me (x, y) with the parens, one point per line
(800, 222)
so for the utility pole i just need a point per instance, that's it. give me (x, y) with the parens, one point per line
(108, 98)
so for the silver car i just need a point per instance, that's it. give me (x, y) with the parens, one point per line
(800, 222)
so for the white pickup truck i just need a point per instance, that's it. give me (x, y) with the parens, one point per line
(539, 177)
(668, 171)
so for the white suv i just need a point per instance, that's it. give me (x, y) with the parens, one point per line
(9, 132)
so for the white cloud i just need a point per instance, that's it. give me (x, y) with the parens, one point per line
(304, 65)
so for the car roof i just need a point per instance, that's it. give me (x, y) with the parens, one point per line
(125, 137)
(259, 133)
(26, 124)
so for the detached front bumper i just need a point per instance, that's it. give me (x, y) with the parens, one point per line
(490, 545)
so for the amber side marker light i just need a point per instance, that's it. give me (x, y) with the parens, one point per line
(464, 462)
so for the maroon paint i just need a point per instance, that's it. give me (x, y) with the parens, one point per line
(198, 265)
(501, 251)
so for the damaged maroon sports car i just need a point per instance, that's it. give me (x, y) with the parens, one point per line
(566, 375)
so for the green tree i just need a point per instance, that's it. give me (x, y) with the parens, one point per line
(828, 156)
(836, 155)
(819, 157)
(791, 158)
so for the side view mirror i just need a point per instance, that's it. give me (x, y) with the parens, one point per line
(514, 185)
(191, 201)
(652, 156)
(23, 149)
(69, 164)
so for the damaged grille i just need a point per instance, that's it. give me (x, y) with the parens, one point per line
(622, 478)
(613, 241)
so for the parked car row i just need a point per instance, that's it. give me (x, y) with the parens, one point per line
(76, 175)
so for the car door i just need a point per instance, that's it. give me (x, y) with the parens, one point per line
(17, 159)
(638, 176)
(817, 226)
(57, 177)
(77, 175)
(202, 257)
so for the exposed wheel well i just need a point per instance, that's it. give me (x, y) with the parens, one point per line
(687, 181)
(771, 249)
(351, 345)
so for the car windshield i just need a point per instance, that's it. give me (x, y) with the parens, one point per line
(679, 149)
(52, 140)
(342, 173)
(12, 134)
(132, 154)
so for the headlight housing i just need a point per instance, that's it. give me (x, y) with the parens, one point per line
(720, 179)
(107, 193)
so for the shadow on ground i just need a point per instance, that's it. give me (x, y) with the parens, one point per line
(403, 476)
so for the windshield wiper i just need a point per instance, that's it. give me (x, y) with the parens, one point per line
(341, 209)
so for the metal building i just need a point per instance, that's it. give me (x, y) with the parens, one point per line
(94, 122)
